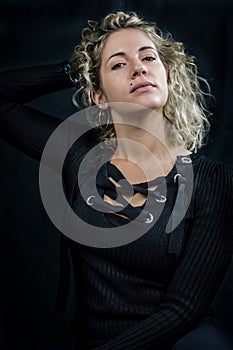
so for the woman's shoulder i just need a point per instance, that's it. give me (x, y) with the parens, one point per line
(206, 164)
(212, 173)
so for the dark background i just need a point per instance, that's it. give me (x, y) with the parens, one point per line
(45, 31)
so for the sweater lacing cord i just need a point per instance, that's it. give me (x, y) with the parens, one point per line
(184, 181)
(111, 183)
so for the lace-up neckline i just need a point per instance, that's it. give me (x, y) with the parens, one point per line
(112, 184)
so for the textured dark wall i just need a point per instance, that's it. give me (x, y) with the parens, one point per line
(44, 31)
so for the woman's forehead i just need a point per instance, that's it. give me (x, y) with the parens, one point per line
(127, 39)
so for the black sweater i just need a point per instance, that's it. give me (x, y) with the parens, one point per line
(148, 293)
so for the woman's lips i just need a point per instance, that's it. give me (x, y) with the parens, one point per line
(142, 87)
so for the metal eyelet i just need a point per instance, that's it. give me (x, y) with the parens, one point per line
(176, 176)
(186, 160)
(111, 148)
(149, 219)
(88, 200)
(162, 199)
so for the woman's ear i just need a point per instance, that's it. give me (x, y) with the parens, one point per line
(98, 97)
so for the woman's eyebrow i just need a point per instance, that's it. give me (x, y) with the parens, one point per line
(122, 53)
(147, 48)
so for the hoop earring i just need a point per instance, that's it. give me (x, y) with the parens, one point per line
(102, 125)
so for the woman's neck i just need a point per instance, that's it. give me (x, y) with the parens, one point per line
(142, 138)
(143, 150)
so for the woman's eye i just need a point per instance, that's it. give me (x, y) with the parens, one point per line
(118, 65)
(149, 58)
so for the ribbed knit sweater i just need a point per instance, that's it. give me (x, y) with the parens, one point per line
(149, 293)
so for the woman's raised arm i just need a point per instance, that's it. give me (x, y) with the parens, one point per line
(23, 127)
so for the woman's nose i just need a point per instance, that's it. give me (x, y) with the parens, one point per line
(139, 69)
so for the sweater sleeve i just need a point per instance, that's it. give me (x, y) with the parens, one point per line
(199, 273)
(23, 127)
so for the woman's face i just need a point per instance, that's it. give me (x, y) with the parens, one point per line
(131, 71)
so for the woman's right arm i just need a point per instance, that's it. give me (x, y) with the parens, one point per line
(23, 127)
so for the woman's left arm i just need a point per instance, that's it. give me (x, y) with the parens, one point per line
(199, 273)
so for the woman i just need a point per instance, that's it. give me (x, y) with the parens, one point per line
(153, 290)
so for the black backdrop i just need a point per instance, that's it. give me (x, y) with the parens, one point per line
(45, 31)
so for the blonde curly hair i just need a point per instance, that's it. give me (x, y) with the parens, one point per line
(186, 117)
